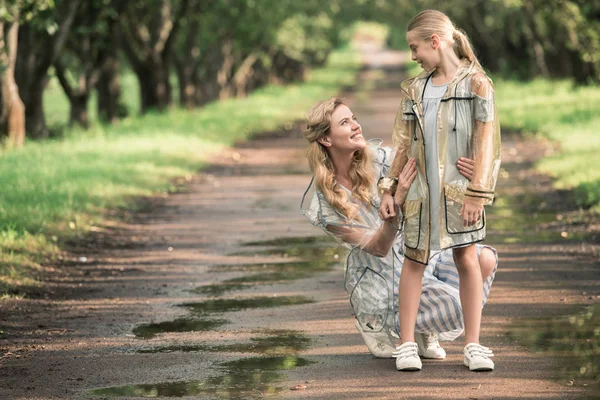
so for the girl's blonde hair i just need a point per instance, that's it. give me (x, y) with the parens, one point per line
(430, 22)
(318, 120)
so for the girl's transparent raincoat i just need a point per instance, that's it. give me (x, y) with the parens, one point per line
(372, 282)
(468, 127)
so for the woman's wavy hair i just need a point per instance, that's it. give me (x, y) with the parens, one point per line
(318, 120)
(430, 22)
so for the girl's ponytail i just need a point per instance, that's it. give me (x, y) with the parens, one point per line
(462, 47)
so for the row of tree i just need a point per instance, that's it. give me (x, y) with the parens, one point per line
(217, 49)
(224, 48)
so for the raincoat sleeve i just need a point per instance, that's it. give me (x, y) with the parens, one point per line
(350, 234)
(486, 141)
(368, 231)
(404, 126)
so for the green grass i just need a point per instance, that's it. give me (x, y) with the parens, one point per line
(56, 188)
(566, 114)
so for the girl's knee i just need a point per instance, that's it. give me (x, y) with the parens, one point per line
(465, 258)
(487, 261)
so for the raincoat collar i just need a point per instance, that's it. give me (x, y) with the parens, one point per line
(414, 86)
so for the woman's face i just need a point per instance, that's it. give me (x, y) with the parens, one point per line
(345, 132)
(423, 51)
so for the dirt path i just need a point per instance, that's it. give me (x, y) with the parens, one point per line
(179, 304)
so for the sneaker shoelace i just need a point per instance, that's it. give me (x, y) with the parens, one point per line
(431, 340)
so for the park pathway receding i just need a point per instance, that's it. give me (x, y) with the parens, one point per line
(226, 291)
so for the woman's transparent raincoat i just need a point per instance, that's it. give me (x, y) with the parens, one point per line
(372, 282)
(467, 127)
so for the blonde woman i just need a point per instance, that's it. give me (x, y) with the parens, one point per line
(446, 113)
(342, 199)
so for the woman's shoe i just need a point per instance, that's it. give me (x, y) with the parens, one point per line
(429, 347)
(407, 357)
(477, 357)
(378, 343)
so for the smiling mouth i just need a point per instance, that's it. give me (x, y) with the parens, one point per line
(356, 135)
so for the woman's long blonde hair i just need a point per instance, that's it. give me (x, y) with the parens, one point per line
(361, 176)
(430, 22)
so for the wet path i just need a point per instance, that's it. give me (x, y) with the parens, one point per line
(228, 292)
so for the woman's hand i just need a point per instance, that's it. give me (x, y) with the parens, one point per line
(405, 179)
(471, 212)
(466, 166)
(387, 209)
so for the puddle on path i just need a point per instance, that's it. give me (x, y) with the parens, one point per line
(266, 274)
(294, 241)
(247, 378)
(515, 219)
(283, 342)
(574, 340)
(225, 305)
(198, 323)
(148, 331)
(310, 248)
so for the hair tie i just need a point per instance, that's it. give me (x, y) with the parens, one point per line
(456, 35)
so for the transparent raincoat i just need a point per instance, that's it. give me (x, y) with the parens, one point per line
(467, 126)
(372, 282)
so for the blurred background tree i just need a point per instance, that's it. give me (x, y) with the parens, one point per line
(199, 51)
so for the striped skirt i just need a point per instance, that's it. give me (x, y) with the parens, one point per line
(372, 284)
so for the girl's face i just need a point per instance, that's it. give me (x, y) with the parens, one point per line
(345, 132)
(425, 52)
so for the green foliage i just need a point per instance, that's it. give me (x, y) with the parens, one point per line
(566, 114)
(305, 38)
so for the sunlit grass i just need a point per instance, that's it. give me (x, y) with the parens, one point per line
(56, 187)
(566, 114)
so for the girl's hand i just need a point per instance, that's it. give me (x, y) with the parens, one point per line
(465, 167)
(471, 212)
(387, 209)
(405, 179)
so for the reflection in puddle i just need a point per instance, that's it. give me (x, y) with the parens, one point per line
(148, 331)
(575, 340)
(293, 241)
(309, 248)
(266, 274)
(225, 305)
(281, 343)
(518, 219)
(247, 378)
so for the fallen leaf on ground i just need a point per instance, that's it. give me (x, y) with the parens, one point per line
(298, 387)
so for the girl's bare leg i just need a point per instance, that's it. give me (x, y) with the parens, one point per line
(471, 290)
(409, 298)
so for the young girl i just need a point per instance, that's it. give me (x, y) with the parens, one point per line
(447, 112)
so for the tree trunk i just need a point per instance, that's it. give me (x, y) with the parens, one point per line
(149, 55)
(12, 115)
(37, 52)
(79, 113)
(109, 92)
(188, 95)
(109, 83)
(155, 88)
(35, 120)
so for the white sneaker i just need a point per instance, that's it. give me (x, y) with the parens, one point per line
(407, 357)
(429, 347)
(378, 343)
(477, 357)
